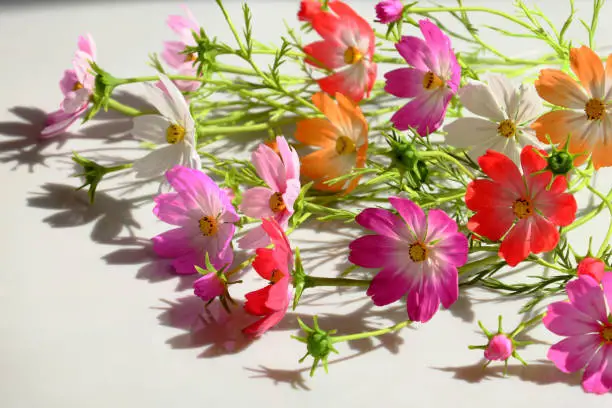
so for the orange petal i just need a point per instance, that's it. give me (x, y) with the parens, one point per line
(602, 150)
(609, 77)
(559, 124)
(361, 159)
(323, 165)
(560, 89)
(316, 132)
(589, 69)
(332, 111)
(359, 125)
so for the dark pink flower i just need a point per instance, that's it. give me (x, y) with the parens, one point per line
(389, 11)
(500, 348)
(209, 287)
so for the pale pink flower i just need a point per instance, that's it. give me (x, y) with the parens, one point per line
(587, 323)
(281, 172)
(431, 82)
(172, 54)
(205, 218)
(209, 287)
(419, 255)
(500, 348)
(76, 85)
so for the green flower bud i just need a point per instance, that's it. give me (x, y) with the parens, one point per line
(560, 162)
(318, 344)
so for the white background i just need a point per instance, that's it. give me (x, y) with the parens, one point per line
(89, 317)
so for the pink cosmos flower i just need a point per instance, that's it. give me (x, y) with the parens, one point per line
(204, 216)
(432, 81)
(500, 348)
(76, 85)
(593, 267)
(281, 172)
(389, 11)
(274, 265)
(172, 54)
(347, 49)
(208, 287)
(418, 253)
(587, 324)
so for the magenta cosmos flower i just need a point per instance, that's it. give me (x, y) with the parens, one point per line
(204, 216)
(281, 172)
(77, 85)
(172, 54)
(500, 348)
(587, 324)
(389, 11)
(432, 81)
(418, 253)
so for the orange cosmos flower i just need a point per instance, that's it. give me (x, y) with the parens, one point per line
(588, 117)
(343, 140)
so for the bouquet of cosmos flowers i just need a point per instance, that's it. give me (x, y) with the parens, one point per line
(455, 164)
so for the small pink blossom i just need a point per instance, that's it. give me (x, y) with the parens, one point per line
(431, 82)
(593, 267)
(586, 323)
(76, 85)
(209, 287)
(419, 255)
(205, 218)
(173, 50)
(281, 172)
(500, 348)
(389, 11)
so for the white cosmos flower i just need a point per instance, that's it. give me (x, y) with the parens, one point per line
(173, 132)
(506, 113)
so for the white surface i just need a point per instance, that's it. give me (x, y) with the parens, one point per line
(90, 319)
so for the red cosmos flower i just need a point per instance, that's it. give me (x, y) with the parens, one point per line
(347, 48)
(593, 267)
(274, 265)
(523, 206)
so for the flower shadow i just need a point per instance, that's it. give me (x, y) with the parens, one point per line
(541, 372)
(110, 216)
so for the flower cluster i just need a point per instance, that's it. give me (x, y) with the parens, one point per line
(479, 173)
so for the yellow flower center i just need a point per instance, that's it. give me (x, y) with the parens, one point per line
(352, 55)
(431, 81)
(190, 57)
(77, 86)
(606, 334)
(275, 276)
(522, 208)
(345, 145)
(594, 109)
(209, 226)
(276, 203)
(506, 128)
(418, 252)
(175, 134)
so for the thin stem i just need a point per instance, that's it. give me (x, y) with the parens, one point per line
(477, 264)
(126, 110)
(364, 335)
(540, 261)
(607, 203)
(443, 155)
(312, 281)
(528, 323)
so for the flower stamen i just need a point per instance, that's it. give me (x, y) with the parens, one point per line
(77, 86)
(175, 133)
(522, 208)
(352, 55)
(594, 109)
(606, 334)
(276, 203)
(191, 57)
(431, 81)
(209, 226)
(506, 128)
(418, 252)
(345, 145)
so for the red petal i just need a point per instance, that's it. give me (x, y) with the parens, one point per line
(544, 235)
(484, 194)
(263, 325)
(256, 301)
(308, 9)
(491, 223)
(324, 54)
(278, 298)
(515, 247)
(502, 170)
(264, 263)
(532, 160)
(342, 83)
(350, 19)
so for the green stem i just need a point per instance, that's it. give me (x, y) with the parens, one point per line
(443, 155)
(117, 168)
(374, 333)
(226, 130)
(313, 281)
(515, 20)
(528, 323)
(540, 261)
(126, 110)
(479, 263)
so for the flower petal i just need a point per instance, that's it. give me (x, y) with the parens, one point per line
(151, 128)
(425, 113)
(254, 238)
(180, 107)
(353, 82)
(156, 162)
(382, 222)
(324, 54)
(423, 301)
(439, 225)
(468, 132)
(478, 99)
(263, 325)
(491, 223)
(529, 105)
(592, 380)
(269, 167)
(560, 89)
(482, 194)
(452, 249)
(389, 285)
(404, 82)
(316, 132)
(264, 263)
(589, 69)
(374, 251)
(544, 235)
(606, 282)
(200, 191)
(291, 160)
(564, 319)
(416, 53)
(515, 246)
(171, 209)
(586, 295)
(503, 171)
(412, 214)
(446, 282)
(172, 243)
(172, 53)
(573, 353)
(256, 301)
